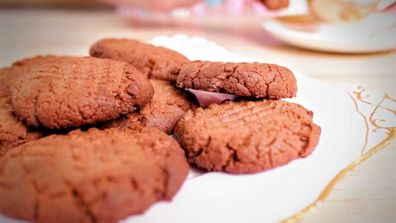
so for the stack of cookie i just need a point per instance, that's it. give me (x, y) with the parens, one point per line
(85, 139)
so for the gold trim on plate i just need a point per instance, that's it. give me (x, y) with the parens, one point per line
(358, 96)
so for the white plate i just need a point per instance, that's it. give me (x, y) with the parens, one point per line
(347, 117)
(374, 34)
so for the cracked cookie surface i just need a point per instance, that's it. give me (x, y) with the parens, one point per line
(9, 75)
(75, 91)
(155, 62)
(242, 79)
(13, 132)
(247, 137)
(163, 112)
(93, 176)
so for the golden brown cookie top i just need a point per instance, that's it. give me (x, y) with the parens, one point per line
(155, 62)
(247, 137)
(163, 112)
(257, 80)
(74, 91)
(12, 131)
(93, 176)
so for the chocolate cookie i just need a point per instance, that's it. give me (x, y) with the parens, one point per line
(94, 176)
(163, 112)
(242, 79)
(247, 137)
(155, 62)
(74, 91)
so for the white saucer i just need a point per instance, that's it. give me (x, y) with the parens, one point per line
(374, 34)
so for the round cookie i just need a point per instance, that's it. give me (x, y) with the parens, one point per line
(247, 137)
(163, 112)
(75, 91)
(257, 80)
(94, 176)
(155, 62)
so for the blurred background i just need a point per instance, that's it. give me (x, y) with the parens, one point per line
(51, 3)
(351, 41)
(357, 37)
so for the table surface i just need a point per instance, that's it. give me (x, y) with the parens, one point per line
(367, 194)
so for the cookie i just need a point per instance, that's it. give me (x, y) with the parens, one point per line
(155, 62)
(5, 82)
(94, 176)
(9, 75)
(75, 91)
(242, 79)
(163, 112)
(12, 131)
(247, 137)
